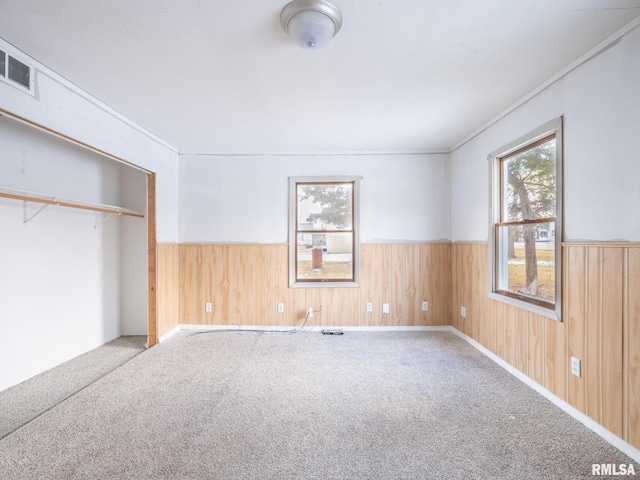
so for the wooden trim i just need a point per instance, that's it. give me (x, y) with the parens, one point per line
(470, 242)
(588, 243)
(403, 242)
(239, 244)
(152, 278)
(409, 242)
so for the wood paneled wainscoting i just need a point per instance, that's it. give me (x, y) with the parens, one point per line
(600, 326)
(245, 282)
(168, 273)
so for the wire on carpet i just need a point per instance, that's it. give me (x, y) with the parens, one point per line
(270, 329)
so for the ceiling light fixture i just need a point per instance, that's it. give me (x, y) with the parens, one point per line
(311, 23)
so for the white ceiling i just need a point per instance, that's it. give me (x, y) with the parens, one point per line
(220, 76)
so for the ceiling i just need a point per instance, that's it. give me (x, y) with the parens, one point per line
(222, 77)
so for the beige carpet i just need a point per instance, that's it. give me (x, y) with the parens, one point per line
(384, 405)
(22, 403)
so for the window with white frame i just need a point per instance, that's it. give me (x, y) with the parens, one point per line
(526, 225)
(323, 226)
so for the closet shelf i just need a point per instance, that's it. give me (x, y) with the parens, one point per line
(27, 196)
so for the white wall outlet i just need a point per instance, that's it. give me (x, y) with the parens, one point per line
(281, 308)
(369, 307)
(207, 307)
(576, 367)
(385, 308)
(425, 306)
(310, 312)
(463, 312)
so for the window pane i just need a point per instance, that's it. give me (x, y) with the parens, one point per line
(530, 190)
(3, 65)
(526, 259)
(325, 206)
(325, 256)
(19, 72)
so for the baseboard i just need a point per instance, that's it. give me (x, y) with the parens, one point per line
(588, 422)
(169, 334)
(315, 328)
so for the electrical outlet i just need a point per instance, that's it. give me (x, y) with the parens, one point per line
(463, 312)
(425, 306)
(281, 308)
(207, 307)
(575, 367)
(310, 312)
(385, 308)
(369, 307)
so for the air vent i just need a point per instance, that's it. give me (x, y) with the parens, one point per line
(14, 71)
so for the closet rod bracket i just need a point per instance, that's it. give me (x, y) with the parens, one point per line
(25, 214)
(106, 217)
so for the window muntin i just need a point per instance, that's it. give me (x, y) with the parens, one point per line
(324, 248)
(527, 222)
(3, 63)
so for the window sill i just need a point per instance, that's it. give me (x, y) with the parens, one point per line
(530, 307)
(324, 285)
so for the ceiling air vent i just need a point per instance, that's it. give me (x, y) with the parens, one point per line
(15, 71)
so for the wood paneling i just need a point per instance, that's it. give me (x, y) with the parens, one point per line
(555, 368)
(469, 270)
(412, 284)
(396, 300)
(168, 269)
(370, 279)
(436, 283)
(244, 283)
(535, 347)
(574, 315)
(612, 341)
(631, 402)
(594, 280)
(152, 278)
(601, 327)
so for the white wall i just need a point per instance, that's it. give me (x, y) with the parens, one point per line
(245, 198)
(61, 280)
(601, 104)
(133, 254)
(64, 287)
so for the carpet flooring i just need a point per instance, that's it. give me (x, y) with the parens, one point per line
(29, 399)
(248, 405)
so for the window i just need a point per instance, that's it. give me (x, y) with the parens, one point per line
(526, 225)
(323, 226)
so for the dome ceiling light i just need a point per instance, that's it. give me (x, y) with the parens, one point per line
(311, 23)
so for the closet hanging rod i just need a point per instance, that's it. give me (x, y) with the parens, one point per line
(66, 202)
